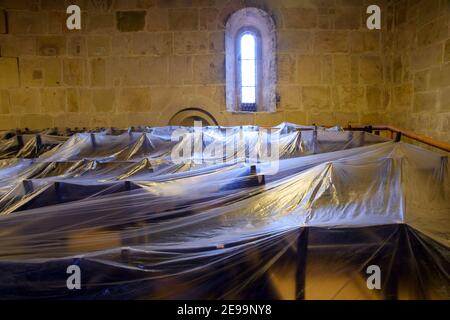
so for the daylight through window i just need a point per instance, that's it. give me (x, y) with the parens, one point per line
(248, 68)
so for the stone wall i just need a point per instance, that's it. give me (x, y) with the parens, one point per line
(138, 62)
(420, 56)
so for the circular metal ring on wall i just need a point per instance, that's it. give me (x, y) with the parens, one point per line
(187, 116)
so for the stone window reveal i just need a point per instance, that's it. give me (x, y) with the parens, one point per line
(250, 62)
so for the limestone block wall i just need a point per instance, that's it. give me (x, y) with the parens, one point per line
(421, 67)
(138, 62)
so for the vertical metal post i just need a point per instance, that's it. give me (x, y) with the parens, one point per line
(57, 187)
(38, 143)
(255, 179)
(28, 186)
(350, 138)
(302, 252)
(392, 282)
(362, 138)
(93, 140)
(19, 139)
(315, 140)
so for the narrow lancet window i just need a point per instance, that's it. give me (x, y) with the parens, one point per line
(250, 66)
(248, 71)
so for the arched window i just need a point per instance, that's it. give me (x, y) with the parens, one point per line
(248, 70)
(250, 46)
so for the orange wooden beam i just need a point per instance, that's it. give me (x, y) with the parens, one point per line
(391, 129)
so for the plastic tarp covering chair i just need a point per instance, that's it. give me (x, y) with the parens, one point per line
(140, 225)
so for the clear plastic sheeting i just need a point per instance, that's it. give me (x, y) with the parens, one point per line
(140, 225)
(28, 145)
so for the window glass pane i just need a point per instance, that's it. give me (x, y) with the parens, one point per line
(248, 95)
(248, 46)
(248, 73)
(248, 68)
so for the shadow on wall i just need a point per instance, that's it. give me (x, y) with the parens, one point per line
(186, 117)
